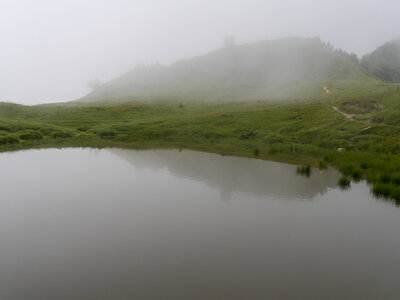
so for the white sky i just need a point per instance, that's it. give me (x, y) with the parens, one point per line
(50, 49)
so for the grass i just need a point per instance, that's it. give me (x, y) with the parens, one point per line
(375, 108)
(322, 165)
(308, 133)
(344, 182)
(387, 192)
(357, 175)
(304, 170)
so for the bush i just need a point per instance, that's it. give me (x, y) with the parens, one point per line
(61, 134)
(8, 140)
(31, 136)
(45, 131)
(248, 135)
(10, 128)
(105, 134)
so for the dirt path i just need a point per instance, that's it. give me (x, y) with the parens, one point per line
(351, 116)
(348, 116)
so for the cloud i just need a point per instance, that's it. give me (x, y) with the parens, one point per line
(51, 49)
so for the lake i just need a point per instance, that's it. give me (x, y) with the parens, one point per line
(168, 224)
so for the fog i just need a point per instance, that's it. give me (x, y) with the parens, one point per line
(51, 49)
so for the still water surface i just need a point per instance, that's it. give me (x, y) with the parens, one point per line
(122, 224)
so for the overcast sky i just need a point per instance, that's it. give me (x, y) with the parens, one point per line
(50, 49)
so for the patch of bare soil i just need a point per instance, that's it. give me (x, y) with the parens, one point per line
(352, 117)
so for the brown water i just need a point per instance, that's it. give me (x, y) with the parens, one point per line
(120, 224)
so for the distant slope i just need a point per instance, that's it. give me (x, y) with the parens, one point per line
(279, 69)
(384, 62)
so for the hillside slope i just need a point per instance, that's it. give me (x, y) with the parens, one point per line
(267, 70)
(384, 62)
(367, 146)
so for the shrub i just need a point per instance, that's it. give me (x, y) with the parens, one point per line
(46, 131)
(61, 134)
(105, 134)
(5, 128)
(275, 139)
(10, 128)
(248, 135)
(31, 136)
(8, 140)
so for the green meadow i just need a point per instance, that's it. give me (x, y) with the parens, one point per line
(365, 146)
(306, 103)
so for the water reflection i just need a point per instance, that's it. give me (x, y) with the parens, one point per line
(386, 199)
(233, 174)
(87, 225)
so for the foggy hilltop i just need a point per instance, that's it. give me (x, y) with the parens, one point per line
(51, 49)
(384, 62)
(267, 70)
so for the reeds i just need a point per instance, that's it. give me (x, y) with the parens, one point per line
(304, 171)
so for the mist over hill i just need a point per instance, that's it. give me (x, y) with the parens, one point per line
(384, 62)
(266, 70)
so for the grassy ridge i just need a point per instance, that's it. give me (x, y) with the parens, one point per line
(308, 132)
(290, 68)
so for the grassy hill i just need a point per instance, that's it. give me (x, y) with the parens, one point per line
(304, 132)
(355, 127)
(291, 68)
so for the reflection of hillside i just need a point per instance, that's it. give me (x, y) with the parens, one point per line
(233, 174)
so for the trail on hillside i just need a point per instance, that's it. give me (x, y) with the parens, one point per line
(350, 116)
